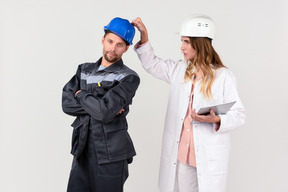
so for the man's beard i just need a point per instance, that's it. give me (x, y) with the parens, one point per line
(112, 60)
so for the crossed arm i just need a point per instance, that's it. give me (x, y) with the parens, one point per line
(77, 102)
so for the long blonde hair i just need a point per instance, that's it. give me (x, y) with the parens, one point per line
(206, 59)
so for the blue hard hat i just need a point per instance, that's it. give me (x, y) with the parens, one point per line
(121, 28)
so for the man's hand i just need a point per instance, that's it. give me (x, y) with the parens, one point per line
(77, 92)
(121, 111)
(142, 29)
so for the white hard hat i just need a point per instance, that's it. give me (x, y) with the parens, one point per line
(198, 26)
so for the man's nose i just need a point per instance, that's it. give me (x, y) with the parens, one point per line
(113, 47)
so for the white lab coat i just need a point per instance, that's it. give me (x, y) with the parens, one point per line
(211, 147)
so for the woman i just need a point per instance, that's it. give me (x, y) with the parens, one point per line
(195, 148)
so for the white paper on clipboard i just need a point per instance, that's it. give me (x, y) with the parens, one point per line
(218, 109)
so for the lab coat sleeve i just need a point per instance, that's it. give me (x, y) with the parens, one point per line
(70, 105)
(162, 69)
(236, 116)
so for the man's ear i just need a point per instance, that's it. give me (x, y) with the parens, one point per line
(127, 47)
(103, 38)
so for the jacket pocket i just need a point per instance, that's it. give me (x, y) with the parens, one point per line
(104, 87)
(79, 135)
(75, 135)
(218, 159)
(119, 142)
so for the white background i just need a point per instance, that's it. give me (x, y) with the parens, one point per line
(43, 41)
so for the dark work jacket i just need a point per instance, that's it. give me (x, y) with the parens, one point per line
(104, 93)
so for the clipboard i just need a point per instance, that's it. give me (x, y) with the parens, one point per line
(218, 109)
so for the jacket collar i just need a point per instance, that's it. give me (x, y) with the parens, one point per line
(114, 67)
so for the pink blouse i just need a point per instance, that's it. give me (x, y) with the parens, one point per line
(186, 151)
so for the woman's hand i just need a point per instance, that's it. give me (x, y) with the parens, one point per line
(142, 29)
(210, 118)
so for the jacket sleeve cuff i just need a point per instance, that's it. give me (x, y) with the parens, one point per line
(143, 47)
(138, 45)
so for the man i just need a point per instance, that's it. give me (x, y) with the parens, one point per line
(99, 95)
